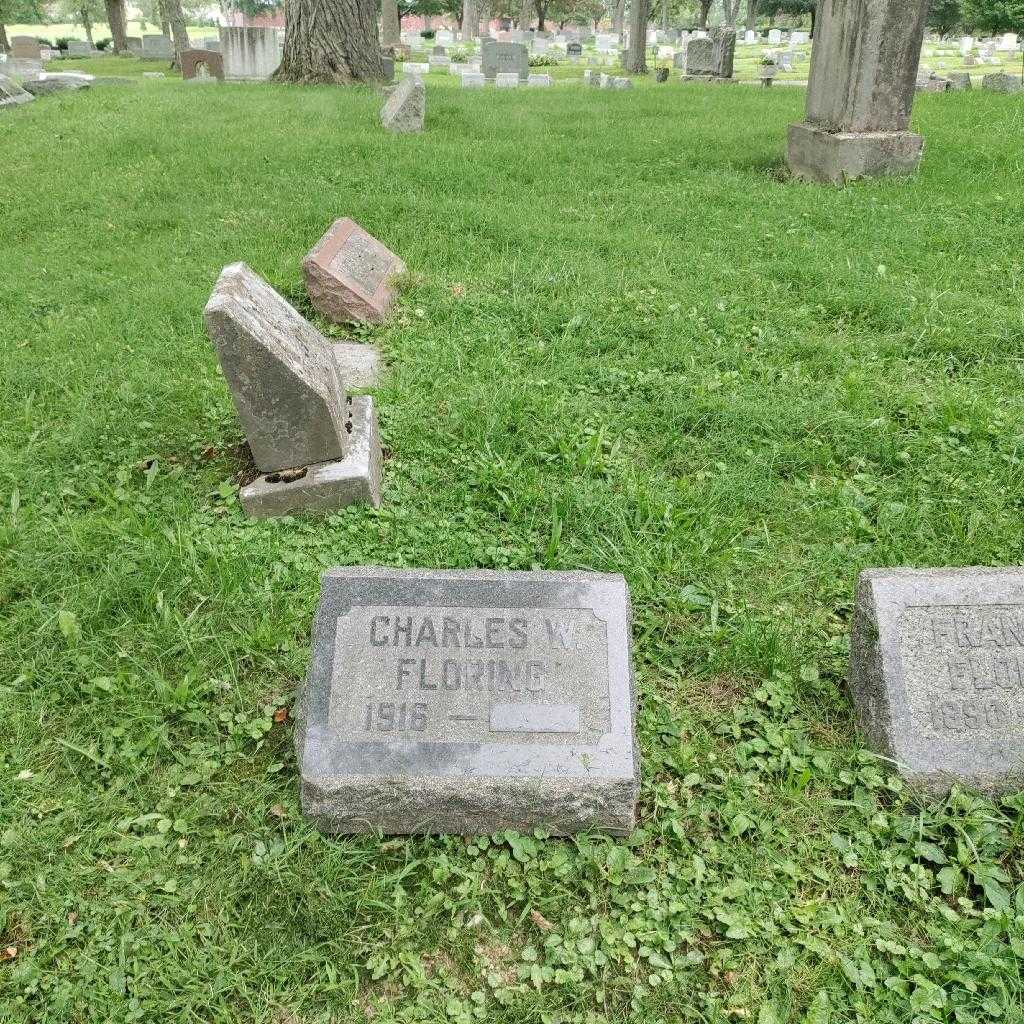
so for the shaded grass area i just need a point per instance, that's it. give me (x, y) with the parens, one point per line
(628, 345)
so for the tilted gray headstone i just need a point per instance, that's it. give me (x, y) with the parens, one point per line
(406, 106)
(469, 702)
(283, 379)
(12, 94)
(937, 674)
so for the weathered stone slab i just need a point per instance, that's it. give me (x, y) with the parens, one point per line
(506, 58)
(284, 382)
(157, 47)
(60, 81)
(863, 75)
(473, 80)
(12, 94)
(197, 64)
(1001, 83)
(937, 674)
(79, 48)
(712, 57)
(469, 702)
(350, 275)
(25, 48)
(506, 80)
(959, 81)
(250, 54)
(405, 109)
(539, 81)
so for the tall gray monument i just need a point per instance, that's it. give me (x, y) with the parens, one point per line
(937, 674)
(861, 90)
(469, 702)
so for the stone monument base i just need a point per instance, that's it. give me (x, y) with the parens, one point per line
(710, 79)
(352, 480)
(822, 156)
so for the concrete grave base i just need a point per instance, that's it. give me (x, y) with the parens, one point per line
(821, 156)
(355, 479)
(708, 79)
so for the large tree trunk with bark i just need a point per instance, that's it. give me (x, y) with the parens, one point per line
(485, 18)
(525, 15)
(118, 25)
(330, 42)
(636, 57)
(390, 26)
(731, 11)
(705, 10)
(751, 15)
(470, 19)
(619, 17)
(171, 10)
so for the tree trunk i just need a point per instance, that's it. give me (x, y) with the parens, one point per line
(751, 15)
(636, 56)
(470, 19)
(87, 25)
(525, 15)
(118, 25)
(330, 42)
(390, 29)
(5, 46)
(664, 15)
(705, 10)
(175, 17)
(731, 11)
(619, 18)
(485, 19)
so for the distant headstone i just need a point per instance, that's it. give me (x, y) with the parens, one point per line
(314, 448)
(411, 67)
(574, 50)
(469, 702)
(387, 65)
(661, 75)
(1001, 83)
(539, 81)
(712, 57)
(406, 106)
(25, 48)
(774, 37)
(439, 62)
(197, 64)
(959, 81)
(473, 80)
(937, 85)
(438, 51)
(157, 47)
(622, 83)
(134, 45)
(12, 94)
(349, 274)
(506, 80)
(250, 54)
(506, 58)
(937, 674)
(79, 48)
(49, 82)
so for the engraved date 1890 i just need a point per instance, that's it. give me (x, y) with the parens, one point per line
(388, 716)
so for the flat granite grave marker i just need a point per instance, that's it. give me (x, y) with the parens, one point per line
(937, 674)
(315, 447)
(469, 702)
(350, 275)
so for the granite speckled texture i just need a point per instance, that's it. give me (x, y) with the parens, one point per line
(469, 702)
(937, 674)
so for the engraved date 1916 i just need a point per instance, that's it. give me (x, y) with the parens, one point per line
(388, 716)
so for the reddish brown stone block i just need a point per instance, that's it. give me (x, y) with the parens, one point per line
(350, 275)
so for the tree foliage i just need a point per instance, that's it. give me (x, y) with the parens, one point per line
(993, 16)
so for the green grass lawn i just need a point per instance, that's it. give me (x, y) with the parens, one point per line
(629, 345)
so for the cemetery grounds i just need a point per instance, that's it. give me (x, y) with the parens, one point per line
(626, 343)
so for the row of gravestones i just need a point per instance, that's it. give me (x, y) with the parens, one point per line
(476, 701)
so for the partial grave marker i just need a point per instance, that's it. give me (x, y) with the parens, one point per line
(1001, 82)
(469, 702)
(350, 276)
(199, 64)
(314, 447)
(249, 54)
(12, 94)
(405, 109)
(937, 674)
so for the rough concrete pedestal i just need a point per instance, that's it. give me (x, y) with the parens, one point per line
(837, 157)
(354, 479)
(861, 89)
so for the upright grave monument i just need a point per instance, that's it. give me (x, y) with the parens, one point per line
(250, 54)
(861, 90)
(199, 65)
(506, 58)
(157, 47)
(469, 702)
(712, 57)
(314, 446)
(937, 674)
(350, 275)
